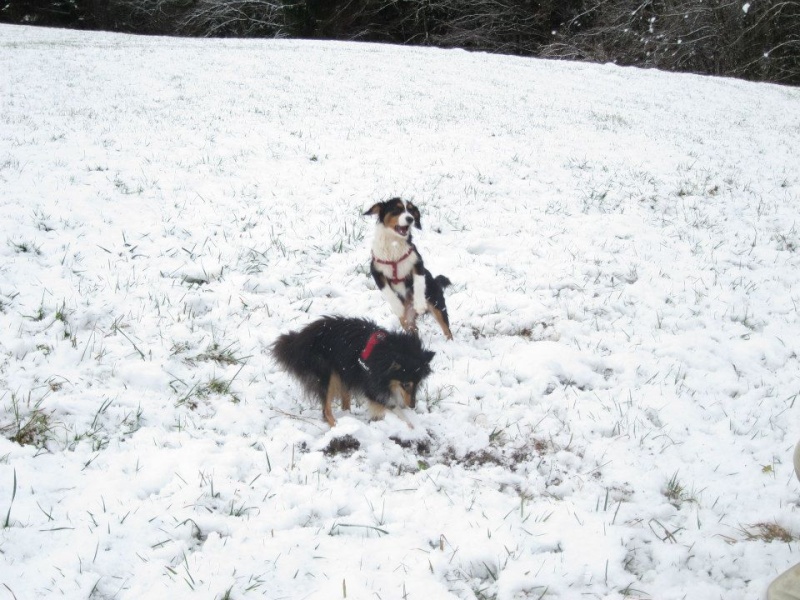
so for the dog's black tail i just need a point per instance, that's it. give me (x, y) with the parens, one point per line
(443, 281)
(285, 350)
(292, 351)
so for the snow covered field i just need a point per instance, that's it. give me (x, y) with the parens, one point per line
(615, 417)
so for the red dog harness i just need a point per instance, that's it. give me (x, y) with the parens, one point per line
(395, 263)
(376, 337)
(373, 340)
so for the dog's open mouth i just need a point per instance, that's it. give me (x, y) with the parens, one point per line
(401, 230)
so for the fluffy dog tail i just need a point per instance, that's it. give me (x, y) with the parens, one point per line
(442, 281)
(285, 350)
(292, 352)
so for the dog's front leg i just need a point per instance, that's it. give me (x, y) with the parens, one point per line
(409, 318)
(394, 302)
(401, 415)
(420, 301)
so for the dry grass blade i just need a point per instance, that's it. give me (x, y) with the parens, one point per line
(768, 532)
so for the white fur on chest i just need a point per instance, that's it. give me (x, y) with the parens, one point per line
(388, 247)
(398, 265)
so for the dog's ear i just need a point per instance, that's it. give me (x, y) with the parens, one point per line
(429, 354)
(415, 213)
(375, 209)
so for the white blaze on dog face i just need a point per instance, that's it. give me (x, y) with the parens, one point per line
(398, 219)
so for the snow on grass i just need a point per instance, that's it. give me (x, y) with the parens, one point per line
(614, 418)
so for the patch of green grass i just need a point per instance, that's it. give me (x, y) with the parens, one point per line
(29, 425)
(39, 315)
(434, 398)
(217, 386)
(676, 493)
(224, 356)
(7, 522)
(214, 386)
(97, 433)
(25, 247)
(227, 594)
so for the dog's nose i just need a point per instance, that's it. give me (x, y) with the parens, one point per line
(409, 219)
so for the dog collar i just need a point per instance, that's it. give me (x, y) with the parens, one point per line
(394, 264)
(373, 340)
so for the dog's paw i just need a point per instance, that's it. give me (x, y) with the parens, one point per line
(420, 307)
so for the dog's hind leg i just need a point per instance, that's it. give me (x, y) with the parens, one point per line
(434, 293)
(335, 388)
(442, 320)
(346, 398)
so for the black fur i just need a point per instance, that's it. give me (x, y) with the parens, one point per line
(334, 345)
(434, 292)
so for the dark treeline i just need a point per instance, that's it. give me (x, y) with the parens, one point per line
(755, 39)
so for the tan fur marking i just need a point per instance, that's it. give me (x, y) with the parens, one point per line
(376, 411)
(391, 221)
(437, 314)
(409, 319)
(400, 392)
(335, 388)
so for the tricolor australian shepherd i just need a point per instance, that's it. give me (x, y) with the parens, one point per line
(340, 356)
(398, 269)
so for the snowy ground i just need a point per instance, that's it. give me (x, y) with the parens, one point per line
(615, 417)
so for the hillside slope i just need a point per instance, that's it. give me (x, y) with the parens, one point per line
(614, 418)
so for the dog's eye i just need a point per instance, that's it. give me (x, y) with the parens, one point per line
(408, 386)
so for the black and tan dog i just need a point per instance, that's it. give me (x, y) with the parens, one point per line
(398, 269)
(340, 356)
